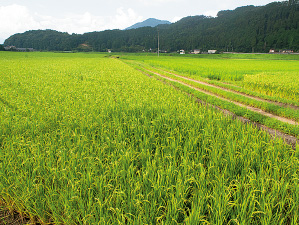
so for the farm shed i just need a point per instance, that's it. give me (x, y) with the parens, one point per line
(212, 51)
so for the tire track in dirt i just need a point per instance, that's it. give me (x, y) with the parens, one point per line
(289, 139)
(233, 91)
(282, 119)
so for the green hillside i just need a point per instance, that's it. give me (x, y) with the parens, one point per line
(245, 29)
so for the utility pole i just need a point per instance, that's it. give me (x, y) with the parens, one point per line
(158, 43)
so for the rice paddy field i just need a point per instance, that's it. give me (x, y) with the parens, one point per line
(260, 73)
(90, 139)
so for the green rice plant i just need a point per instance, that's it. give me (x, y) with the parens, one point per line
(87, 139)
(238, 110)
(282, 84)
(266, 106)
(274, 76)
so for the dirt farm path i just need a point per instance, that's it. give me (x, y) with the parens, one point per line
(282, 119)
(232, 91)
(289, 139)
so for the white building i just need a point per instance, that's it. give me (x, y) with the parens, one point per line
(212, 51)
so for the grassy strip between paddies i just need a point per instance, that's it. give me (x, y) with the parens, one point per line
(291, 114)
(266, 106)
(265, 76)
(252, 93)
(239, 111)
(240, 89)
(229, 85)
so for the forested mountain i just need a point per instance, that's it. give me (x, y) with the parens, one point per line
(244, 29)
(151, 22)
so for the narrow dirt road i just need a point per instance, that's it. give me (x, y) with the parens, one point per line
(282, 119)
(289, 139)
(232, 91)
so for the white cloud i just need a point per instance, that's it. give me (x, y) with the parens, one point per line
(176, 18)
(96, 15)
(74, 23)
(212, 13)
(124, 18)
(158, 2)
(15, 18)
(18, 19)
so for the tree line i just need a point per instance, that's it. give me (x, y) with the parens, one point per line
(245, 29)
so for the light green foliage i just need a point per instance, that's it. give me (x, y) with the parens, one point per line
(230, 106)
(283, 84)
(86, 139)
(272, 75)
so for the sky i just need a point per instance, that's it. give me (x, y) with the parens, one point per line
(73, 16)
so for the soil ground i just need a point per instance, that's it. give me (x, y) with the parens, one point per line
(289, 139)
(236, 92)
(282, 119)
(12, 218)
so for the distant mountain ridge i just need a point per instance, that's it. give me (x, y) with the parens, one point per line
(244, 29)
(151, 22)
